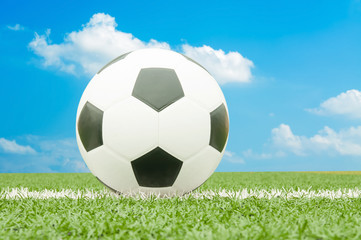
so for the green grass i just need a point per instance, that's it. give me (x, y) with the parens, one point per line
(176, 218)
(231, 181)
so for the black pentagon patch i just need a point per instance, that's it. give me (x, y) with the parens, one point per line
(190, 59)
(113, 61)
(156, 168)
(90, 126)
(219, 128)
(158, 87)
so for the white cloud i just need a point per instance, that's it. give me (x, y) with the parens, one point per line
(10, 146)
(225, 67)
(62, 153)
(53, 155)
(347, 103)
(283, 138)
(250, 154)
(87, 50)
(346, 142)
(16, 27)
(232, 157)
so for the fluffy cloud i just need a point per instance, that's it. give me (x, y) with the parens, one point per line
(10, 146)
(347, 103)
(346, 142)
(283, 138)
(16, 27)
(249, 153)
(232, 157)
(87, 50)
(59, 154)
(52, 155)
(230, 67)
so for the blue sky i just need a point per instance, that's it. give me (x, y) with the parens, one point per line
(290, 72)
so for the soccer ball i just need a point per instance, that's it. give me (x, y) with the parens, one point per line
(152, 121)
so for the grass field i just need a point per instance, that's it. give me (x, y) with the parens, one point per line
(227, 206)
